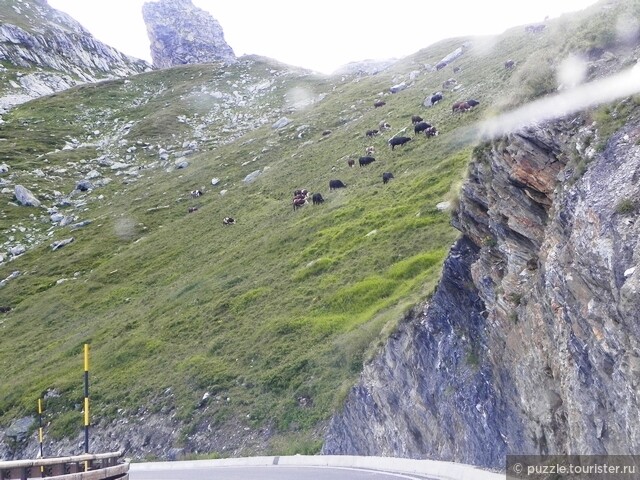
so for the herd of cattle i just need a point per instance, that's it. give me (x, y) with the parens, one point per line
(420, 126)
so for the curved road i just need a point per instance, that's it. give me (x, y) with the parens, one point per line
(273, 472)
(310, 467)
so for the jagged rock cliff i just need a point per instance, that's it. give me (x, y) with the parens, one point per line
(181, 33)
(530, 342)
(44, 51)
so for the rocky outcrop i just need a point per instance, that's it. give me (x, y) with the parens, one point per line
(530, 344)
(181, 33)
(45, 51)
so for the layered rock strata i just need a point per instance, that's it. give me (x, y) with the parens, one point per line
(530, 344)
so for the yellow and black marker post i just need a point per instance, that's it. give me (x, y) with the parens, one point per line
(86, 403)
(40, 432)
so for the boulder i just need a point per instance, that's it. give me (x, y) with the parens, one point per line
(25, 197)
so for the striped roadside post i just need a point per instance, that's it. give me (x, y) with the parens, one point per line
(86, 403)
(40, 433)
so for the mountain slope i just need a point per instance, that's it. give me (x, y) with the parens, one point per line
(236, 339)
(43, 50)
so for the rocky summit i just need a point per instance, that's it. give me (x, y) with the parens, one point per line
(181, 33)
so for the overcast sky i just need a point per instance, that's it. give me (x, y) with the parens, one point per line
(322, 35)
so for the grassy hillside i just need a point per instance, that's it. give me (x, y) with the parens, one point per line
(275, 315)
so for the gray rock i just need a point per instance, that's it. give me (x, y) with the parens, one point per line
(20, 429)
(283, 122)
(61, 243)
(251, 177)
(82, 224)
(25, 197)
(181, 33)
(398, 88)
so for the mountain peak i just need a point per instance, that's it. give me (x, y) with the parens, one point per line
(180, 33)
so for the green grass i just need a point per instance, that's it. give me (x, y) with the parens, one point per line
(281, 306)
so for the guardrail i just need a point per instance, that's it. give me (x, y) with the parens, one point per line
(103, 466)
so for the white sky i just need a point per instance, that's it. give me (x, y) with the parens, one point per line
(322, 35)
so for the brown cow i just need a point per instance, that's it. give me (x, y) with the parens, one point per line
(460, 107)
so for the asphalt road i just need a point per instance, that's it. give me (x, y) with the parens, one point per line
(272, 472)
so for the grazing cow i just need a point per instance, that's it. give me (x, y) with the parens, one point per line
(431, 132)
(473, 103)
(416, 119)
(366, 161)
(370, 150)
(5, 309)
(197, 193)
(336, 184)
(384, 126)
(301, 193)
(440, 65)
(228, 221)
(421, 127)
(317, 199)
(298, 202)
(509, 64)
(460, 107)
(449, 84)
(326, 132)
(386, 176)
(351, 162)
(435, 98)
(379, 103)
(193, 209)
(398, 141)
(371, 133)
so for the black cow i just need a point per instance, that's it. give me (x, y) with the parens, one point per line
(371, 133)
(473, 103)
(435, 98)
(440, 65)
(366, 160)
(416, 119)
(398, 141)
(228, 221)
(386, 176)
(317, 199)
(421, 127)
(379, 103)
(336, 184)
(509, 64)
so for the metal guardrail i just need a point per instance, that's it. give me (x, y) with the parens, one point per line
(102, 466)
